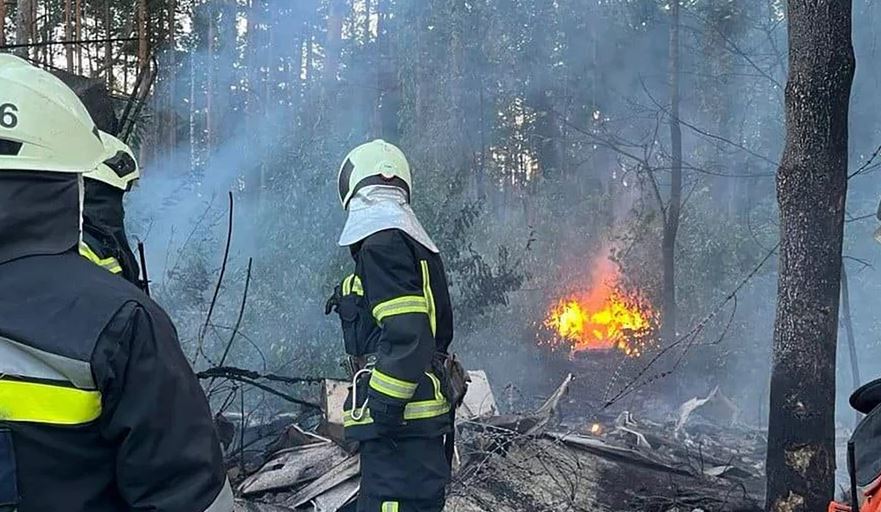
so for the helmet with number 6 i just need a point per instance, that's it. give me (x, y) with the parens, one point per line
(43, 125)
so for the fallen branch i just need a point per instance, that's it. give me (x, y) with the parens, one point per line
(248, 377)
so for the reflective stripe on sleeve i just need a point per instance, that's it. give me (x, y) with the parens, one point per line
(429, 297)
(109, 264)
(391, 386)
(400, 306)
(390, 506)
(47, 403)
(352, 285)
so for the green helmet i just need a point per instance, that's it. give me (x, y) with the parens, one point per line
(43, 125)
(374, 163)
(121, 169)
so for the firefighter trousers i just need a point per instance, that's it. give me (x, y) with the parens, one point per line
(403, 475)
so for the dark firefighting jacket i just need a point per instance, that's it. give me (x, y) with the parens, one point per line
(99, 409)
(403, 321)
(104, 240)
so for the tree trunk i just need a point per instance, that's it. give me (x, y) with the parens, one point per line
(24, 26)
(143, 36)
(851, 341)
(2, 22)
(671, 219)
(78, 33)
(811, 190)
(68, 34)
(108, 46)
(333, 43)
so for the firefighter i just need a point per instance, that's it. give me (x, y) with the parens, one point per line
(398, 325)
(104, 240)
(99, 409)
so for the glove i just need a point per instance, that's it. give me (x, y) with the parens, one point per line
(387, 416)
(333, 303)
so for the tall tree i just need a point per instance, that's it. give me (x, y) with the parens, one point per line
(671, 217)
(24, 26)
(811, 191)
(2, 22)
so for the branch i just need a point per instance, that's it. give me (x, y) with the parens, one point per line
(632, 386)
(204, 328)
(866, 165)
(230, 372)
(64, 43)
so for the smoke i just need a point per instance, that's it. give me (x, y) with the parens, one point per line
(550, 111)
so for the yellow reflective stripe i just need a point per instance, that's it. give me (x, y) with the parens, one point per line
(348, 421)
(110, 264)
(45, 403)
(347, 285)
(437, 387)
(389, 506)
(388, 385)
(400, 306)
(357, 288)
(426, 409)
(419, 410)
(429, 297)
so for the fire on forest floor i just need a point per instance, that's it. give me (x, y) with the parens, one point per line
(702, 459)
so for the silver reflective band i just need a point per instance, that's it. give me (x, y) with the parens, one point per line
(23, 361)
(224, 500)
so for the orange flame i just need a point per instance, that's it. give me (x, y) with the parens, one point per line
(603, 317)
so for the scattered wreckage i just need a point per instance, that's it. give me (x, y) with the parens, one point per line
(703, 460)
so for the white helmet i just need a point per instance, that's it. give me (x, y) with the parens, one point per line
(121, 169)
(43, 125)
(374, 163)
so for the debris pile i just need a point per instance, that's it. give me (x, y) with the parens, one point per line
(701, 460)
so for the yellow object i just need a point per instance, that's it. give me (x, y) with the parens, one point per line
(391, 386)
(45, 403)
(109, 264)
(429, 297)
(400, 306)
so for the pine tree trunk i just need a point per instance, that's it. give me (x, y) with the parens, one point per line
(671, 220)
(811, 191)
(108, 46)
(24, 26)
(68, 34)
(851, 339)
(2, 22)
(78, 34)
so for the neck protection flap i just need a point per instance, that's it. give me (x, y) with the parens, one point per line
(376, 208)
(39, 213)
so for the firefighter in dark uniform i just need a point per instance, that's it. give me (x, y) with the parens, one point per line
(397, 325)
(99, 409)
(104, 240)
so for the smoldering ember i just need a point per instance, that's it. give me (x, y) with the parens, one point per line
(440, 255)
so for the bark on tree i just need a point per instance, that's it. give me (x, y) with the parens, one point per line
(78, 33)
(68, 34)
(811, 190)
(671, 219)
(851, 340)
(24, 26)
(333, 42)
(2, 22)
(108, 46)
